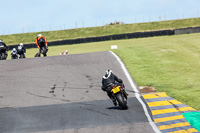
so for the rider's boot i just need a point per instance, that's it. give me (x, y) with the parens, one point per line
(113, 99)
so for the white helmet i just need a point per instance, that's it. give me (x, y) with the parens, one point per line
(14, 50)
(39, 35)
(108, 73)
(1, 40)
(21, 44)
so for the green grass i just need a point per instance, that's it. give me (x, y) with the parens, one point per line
(100, 31)
(169, 63)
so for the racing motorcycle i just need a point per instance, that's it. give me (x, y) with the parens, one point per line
(3, 52)
(120, 95)
(21, 52)
(14, 55)
(43, 49)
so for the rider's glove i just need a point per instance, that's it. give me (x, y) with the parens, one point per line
(120, 81)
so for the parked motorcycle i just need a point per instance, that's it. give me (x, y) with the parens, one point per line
(120, 95)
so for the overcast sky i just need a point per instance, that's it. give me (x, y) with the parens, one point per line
(22, 16)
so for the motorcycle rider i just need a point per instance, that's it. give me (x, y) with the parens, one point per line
(108, 80)
(21, 51)
(40, 40)
(4, 45)
(14, 54)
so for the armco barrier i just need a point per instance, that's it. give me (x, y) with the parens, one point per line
(102, 38)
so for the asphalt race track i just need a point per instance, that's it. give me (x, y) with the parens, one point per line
(63, 94)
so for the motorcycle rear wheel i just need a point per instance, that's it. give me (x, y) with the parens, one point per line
(121, 101)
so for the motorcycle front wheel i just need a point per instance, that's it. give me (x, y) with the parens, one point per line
(2, 56)
(22, 56)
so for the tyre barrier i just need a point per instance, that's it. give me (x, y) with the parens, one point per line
(102, 38)
(32, 45)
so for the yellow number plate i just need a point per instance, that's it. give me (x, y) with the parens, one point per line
(115, 90)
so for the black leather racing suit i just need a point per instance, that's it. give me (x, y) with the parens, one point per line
(2, 43)
(21, 50)
(107, 84)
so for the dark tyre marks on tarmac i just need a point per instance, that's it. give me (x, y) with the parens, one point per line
(63, 94)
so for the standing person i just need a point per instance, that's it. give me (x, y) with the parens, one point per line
(42, 44)
(21, 51)
(3, 50)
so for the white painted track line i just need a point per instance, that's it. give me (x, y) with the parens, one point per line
(137, 93)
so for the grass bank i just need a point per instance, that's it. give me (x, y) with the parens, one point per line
(100, 31)
(169, 63)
